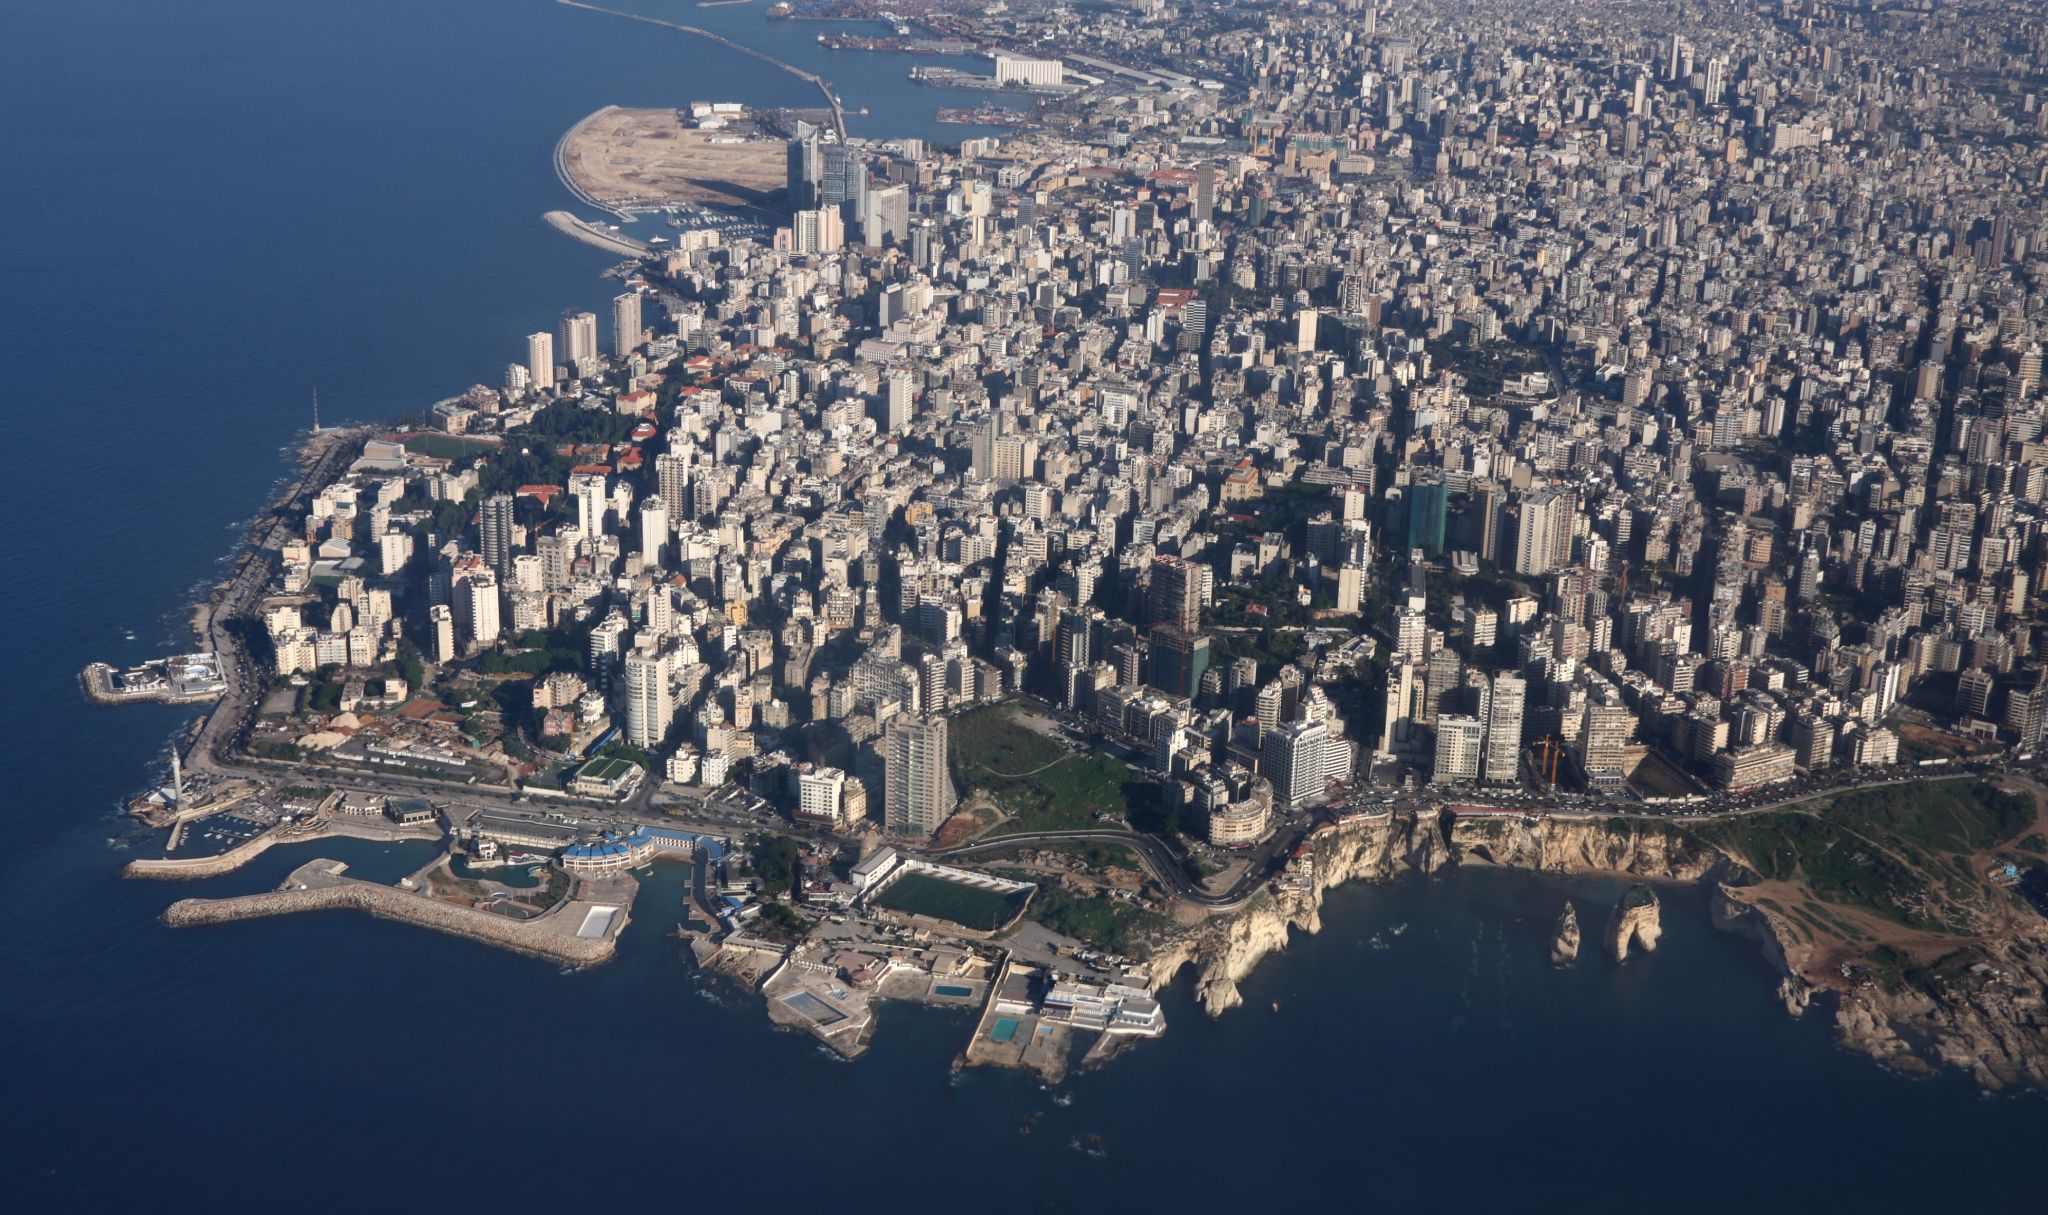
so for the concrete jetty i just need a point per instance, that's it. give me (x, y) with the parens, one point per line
(591, 234)
(556, 934)
(189, 868)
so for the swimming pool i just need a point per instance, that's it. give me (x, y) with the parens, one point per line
(596, 921)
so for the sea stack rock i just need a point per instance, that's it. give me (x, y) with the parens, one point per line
(1635, 919)
(1564, 948)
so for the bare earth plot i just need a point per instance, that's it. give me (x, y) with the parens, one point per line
(649, 158)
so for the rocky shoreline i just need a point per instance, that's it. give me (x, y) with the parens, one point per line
(1994, 1032)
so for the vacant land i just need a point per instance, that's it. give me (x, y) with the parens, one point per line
(1040, 782)
(1897, 867)
(648, 157)
(1922, 742)
(970, 906)
(1116, 925)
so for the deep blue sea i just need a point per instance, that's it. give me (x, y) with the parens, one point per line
(213, 206)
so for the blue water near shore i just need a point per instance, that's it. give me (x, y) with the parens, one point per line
(213, 206)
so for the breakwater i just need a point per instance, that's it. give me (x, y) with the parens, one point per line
(561, 158)
(591, 234)
(189, 868)
(542, 937)
(831, 99)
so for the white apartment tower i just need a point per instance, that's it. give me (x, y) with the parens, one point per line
(442, 618)
(1504, 728)
(1458, 749)
(589, 490)
(540, 360)
(917, 786)
(579, 339)
(653, 530)
(627, 325)
(649, 712)
(1293, 760)
(477, 594)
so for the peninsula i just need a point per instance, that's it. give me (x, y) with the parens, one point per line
(1036, 572)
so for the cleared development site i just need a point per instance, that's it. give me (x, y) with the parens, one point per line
(622, 159)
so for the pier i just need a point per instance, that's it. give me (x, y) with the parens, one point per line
(823, 86)
(591, 234)
(581, 931)
(188, 679)
(188, 868)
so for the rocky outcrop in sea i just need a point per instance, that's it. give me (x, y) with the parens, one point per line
(1564, 947)
(1636, 921)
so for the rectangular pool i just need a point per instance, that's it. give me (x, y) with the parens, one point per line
(597, 921)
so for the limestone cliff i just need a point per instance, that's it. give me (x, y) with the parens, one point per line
(1583, 845)
(1228, 946)
(1785, 950)
(1637, 920)
(1992, 1023)
(1564, 947)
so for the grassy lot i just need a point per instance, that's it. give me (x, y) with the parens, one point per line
(1900, 852)
(1039, 783)
(925, 894)
(1111, 924)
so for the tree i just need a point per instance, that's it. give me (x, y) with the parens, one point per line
(410, 668)
(777, 865)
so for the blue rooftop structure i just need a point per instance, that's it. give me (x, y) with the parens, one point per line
(637, 847)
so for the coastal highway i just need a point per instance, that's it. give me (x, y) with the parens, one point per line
(235, 601)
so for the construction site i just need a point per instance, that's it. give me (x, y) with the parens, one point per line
(636, 161)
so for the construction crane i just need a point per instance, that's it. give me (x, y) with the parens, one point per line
(1545, 752)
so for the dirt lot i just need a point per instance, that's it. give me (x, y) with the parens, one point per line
(649, 157)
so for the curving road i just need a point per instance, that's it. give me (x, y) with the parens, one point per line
(1158, 858)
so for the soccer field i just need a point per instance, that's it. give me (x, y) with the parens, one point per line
(607, 769)
(969, 906)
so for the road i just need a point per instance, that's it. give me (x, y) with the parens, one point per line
(1165, 865)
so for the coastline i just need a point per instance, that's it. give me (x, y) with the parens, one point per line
(1995, 1041)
